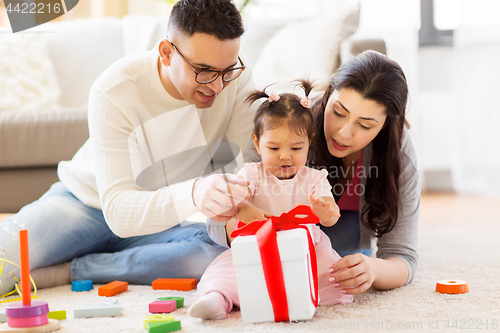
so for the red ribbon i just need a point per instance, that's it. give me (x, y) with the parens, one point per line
(265, 232)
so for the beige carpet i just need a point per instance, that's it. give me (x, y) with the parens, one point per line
(458, 240)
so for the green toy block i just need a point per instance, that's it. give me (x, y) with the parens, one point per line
(164, 326)
(178, 299)
(59, 315)
(157, 318)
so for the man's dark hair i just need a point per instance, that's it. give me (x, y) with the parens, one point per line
(219, 18)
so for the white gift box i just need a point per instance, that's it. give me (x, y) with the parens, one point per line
(255, 303)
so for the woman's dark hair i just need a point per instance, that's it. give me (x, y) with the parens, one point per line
(377, 78)
(219, 18)
(272, 114)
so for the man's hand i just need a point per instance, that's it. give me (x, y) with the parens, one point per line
(219, 200)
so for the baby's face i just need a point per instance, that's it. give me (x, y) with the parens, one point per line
(283, 151)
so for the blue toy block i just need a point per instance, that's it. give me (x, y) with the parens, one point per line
(97, 311)
(82, 285)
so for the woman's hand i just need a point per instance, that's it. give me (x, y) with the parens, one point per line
(353, 273)
(326, 209)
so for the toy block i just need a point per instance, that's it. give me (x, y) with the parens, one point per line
(82, 285)
(59, 315)
(52, 325)
(36, 308)
(24, 263)
(157, 318)
(27, 316)
(178, 299)
(175, 284)
(112, 288)
(111, 301)
(28, 321)
(163, 327)
(3, 317)
(162, 306)
(96, 311)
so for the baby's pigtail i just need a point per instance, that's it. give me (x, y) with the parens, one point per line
(308, 87)
(255, 95)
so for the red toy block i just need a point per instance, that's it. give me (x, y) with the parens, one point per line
(175, 284)
(162, 306)
(112, 288)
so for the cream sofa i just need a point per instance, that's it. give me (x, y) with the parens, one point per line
(32, 142)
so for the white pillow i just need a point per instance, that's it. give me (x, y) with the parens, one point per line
(308, 49)
(82, 49)
(142, 32)
(27, 72)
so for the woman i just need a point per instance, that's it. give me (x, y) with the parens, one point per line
(363, 142)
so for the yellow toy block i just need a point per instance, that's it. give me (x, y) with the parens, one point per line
(59, 315)
(157, 318)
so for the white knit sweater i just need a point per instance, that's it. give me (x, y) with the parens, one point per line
(133, 166)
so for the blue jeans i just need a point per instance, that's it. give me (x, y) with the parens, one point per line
(61, 228)
(345, 234)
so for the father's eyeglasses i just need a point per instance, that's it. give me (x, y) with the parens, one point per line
(204, 76)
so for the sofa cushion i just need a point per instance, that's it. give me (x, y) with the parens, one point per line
(42, 137)
(308, 49)
(81, 50)
(28, 80)
(19, 187)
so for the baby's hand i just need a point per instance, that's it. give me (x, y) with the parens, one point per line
(251, 213)
(327, 210)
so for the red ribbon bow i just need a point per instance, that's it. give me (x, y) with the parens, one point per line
(265, 232)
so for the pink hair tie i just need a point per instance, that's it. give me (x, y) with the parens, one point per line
(305, 102)
(272, 96)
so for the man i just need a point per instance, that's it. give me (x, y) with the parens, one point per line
(155, 120)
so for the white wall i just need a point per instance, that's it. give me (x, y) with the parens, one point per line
(460, 110)
(149, 7)
(397, 23)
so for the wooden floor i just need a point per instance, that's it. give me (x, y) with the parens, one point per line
(3, 216)
(448, 208)
(459, 209)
